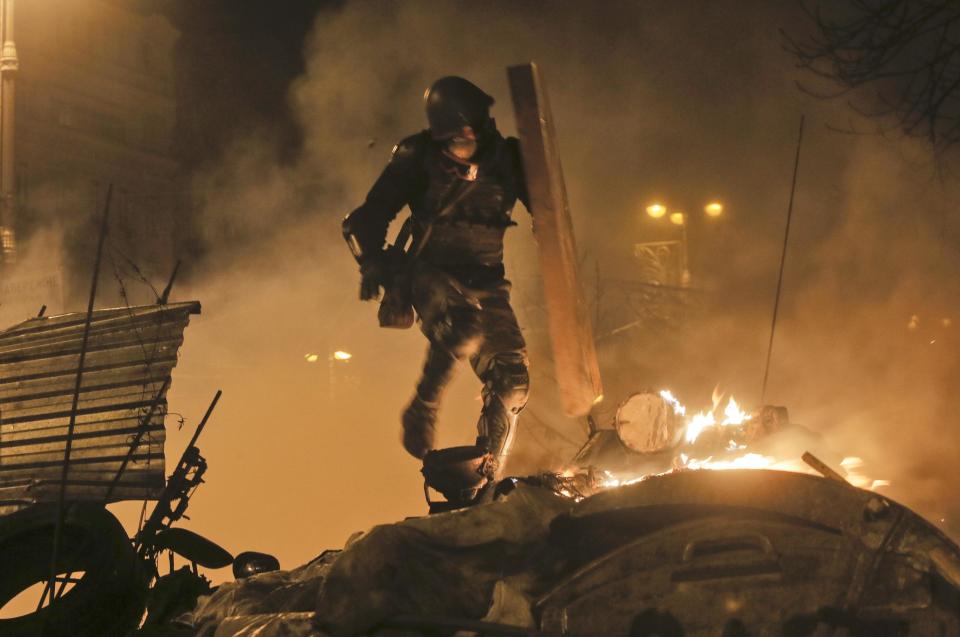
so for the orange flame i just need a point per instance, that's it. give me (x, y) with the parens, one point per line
(734, 417)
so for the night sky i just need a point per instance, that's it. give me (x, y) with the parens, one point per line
(235, 61)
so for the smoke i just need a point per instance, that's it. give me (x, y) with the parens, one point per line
(35, 280)
(653, 101)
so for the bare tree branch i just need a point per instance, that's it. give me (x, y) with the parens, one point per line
(895, 60)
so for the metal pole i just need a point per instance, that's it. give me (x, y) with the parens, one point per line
(137, 437)
(9, 65)
(68, 445)
(165, 295)
(685, 277)
(783, 259)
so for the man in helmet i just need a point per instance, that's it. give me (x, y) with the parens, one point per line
(460, 178)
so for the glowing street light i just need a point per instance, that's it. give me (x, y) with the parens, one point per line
(337, 369)
(656, 210)
(713, 209)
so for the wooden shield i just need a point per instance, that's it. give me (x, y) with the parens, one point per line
(571, 332)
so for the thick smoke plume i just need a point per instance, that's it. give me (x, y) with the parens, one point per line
(673, 101)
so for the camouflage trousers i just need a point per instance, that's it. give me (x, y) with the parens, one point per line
(475, 324)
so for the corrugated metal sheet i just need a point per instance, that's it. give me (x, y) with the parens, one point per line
(130, 354)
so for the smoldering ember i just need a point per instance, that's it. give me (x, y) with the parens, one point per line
(367, 317)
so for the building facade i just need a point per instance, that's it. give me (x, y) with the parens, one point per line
(95, 105)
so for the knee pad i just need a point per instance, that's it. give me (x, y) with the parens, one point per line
(509, 380)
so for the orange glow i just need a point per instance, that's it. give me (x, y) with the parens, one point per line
(656, 210)
(342, 356)
(678, 218)
(713, 209)
(735, 418)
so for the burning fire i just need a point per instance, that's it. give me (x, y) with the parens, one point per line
(730, 423)
(733, 416)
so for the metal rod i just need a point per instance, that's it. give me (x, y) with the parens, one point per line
(822, 468)
(783, 259)
(68, 447)
(137, 437)
(162, 508)
(206, 417)
(165, 296)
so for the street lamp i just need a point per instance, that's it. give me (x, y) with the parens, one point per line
(656, 210)
(712, 209)
(335, 367)
(679, 218)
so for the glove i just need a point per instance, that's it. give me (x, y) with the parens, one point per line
(372, 272)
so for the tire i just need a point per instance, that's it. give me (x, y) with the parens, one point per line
(107, 600)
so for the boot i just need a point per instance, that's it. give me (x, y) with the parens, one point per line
(419, 421)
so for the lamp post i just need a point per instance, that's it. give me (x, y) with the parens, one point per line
(335, 362)
(658, 210)
(9, 65)
(680, 219)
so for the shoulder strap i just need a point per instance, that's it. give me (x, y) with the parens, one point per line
(405, 231)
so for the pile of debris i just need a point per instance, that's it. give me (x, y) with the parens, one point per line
(694, 552)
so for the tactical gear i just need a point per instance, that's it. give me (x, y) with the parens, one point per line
(371, 277)
(460, 211)
(505, 389)
(470, 237)
(396, 309)
(453, 103)
(477, 324)
(365, 229)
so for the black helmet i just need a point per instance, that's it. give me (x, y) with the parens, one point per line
(452, 103)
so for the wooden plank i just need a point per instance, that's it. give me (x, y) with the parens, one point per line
(109, 412)
(571, 332)
(126, 386)
(89, 400)
(134, 474)
(105, 445)
(87, 493)
(56, 365)
(118, 446)
(130, 354)
(57, 375)
(30, 430)
(145, 338)
(11, 507)
(38, 327)
(101, 330)
(51, 470)
(134, 485)
(113, 437)
(113, 374)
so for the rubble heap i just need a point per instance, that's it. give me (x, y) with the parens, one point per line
(687, 553)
